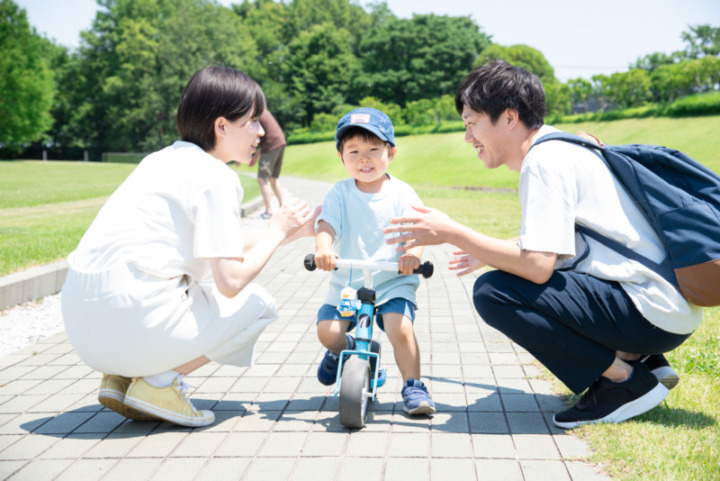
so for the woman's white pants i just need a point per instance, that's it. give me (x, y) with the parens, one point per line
(127, 322)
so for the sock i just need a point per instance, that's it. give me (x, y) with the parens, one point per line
(162, 380)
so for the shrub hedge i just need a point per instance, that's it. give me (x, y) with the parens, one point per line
(690, 106)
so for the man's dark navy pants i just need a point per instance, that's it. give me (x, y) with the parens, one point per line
(572, 324)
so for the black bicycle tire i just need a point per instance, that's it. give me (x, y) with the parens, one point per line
(354, 393)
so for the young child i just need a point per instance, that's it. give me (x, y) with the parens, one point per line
(350, 227)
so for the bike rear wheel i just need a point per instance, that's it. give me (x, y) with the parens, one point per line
(355, 392)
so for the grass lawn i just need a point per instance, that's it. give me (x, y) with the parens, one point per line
(446, 160)
(45, 208)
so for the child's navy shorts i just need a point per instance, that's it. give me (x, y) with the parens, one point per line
(399, 305)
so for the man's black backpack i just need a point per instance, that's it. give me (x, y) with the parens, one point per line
(681, 200)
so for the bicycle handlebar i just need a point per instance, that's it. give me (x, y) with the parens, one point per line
(426, 269)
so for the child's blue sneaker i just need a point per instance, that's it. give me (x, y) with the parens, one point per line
(416, 398)
(328, 368)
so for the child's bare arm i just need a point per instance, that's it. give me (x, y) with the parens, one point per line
(231, 275)
(324, 253)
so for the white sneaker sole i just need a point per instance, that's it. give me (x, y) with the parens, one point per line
(207, 417)
(424, 408)
(667, 376)
(114, 400)
(634, 408)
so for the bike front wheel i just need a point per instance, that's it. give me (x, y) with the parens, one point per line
(355, 392)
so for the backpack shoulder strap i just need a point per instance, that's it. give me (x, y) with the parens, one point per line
(665, 269)
(568, 137)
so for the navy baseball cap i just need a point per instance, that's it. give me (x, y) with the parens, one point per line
(369, 119)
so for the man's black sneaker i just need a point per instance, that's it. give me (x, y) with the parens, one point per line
(613, 402)
(662, 370)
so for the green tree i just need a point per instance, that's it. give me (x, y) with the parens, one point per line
(557, 95)
(558, 98)
(305, 14)
(264, 21)
(134, 62)
(26, 81)
(276, 25)
(652, 61)
(391, 110)
(670, 82)
(601, 90)
(431, 111)
(444, 108)
(324, 122)
(672, 76)
(66, 142)
(702, 40)
(709, 76)
(160, 44)
(423, 57)
(628, 89)
(317, 72)
(523, 56)
(580, 91)
(419, 112)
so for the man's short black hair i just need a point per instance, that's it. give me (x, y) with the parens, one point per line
(496, 86)
(213, 92)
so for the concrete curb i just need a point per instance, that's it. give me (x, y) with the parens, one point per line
(250, 207)
(32, 284)
(46, 280)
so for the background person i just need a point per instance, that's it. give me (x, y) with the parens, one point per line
(160, 284)
(270, 152)
(576, 305)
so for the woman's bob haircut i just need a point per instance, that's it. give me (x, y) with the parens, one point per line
(213, 92)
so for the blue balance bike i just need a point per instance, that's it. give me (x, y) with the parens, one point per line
(359, 374)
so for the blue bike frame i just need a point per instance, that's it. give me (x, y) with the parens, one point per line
(363, 330)
(366, 313)
(363, 338)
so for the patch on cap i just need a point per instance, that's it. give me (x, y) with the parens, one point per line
(360, 119)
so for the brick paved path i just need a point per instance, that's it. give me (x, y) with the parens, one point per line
(276, 422)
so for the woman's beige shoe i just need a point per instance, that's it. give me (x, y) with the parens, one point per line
(170, 403)
(112, 396)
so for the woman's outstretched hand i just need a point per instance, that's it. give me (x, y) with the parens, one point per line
(294, 219)
(428, 227)
(465, 263)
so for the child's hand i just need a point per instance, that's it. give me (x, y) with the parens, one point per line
(408, 263)
(325, 259)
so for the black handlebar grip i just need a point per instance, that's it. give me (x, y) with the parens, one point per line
(310, 262)
(426, 269)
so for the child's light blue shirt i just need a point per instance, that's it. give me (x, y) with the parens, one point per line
(358, 219)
